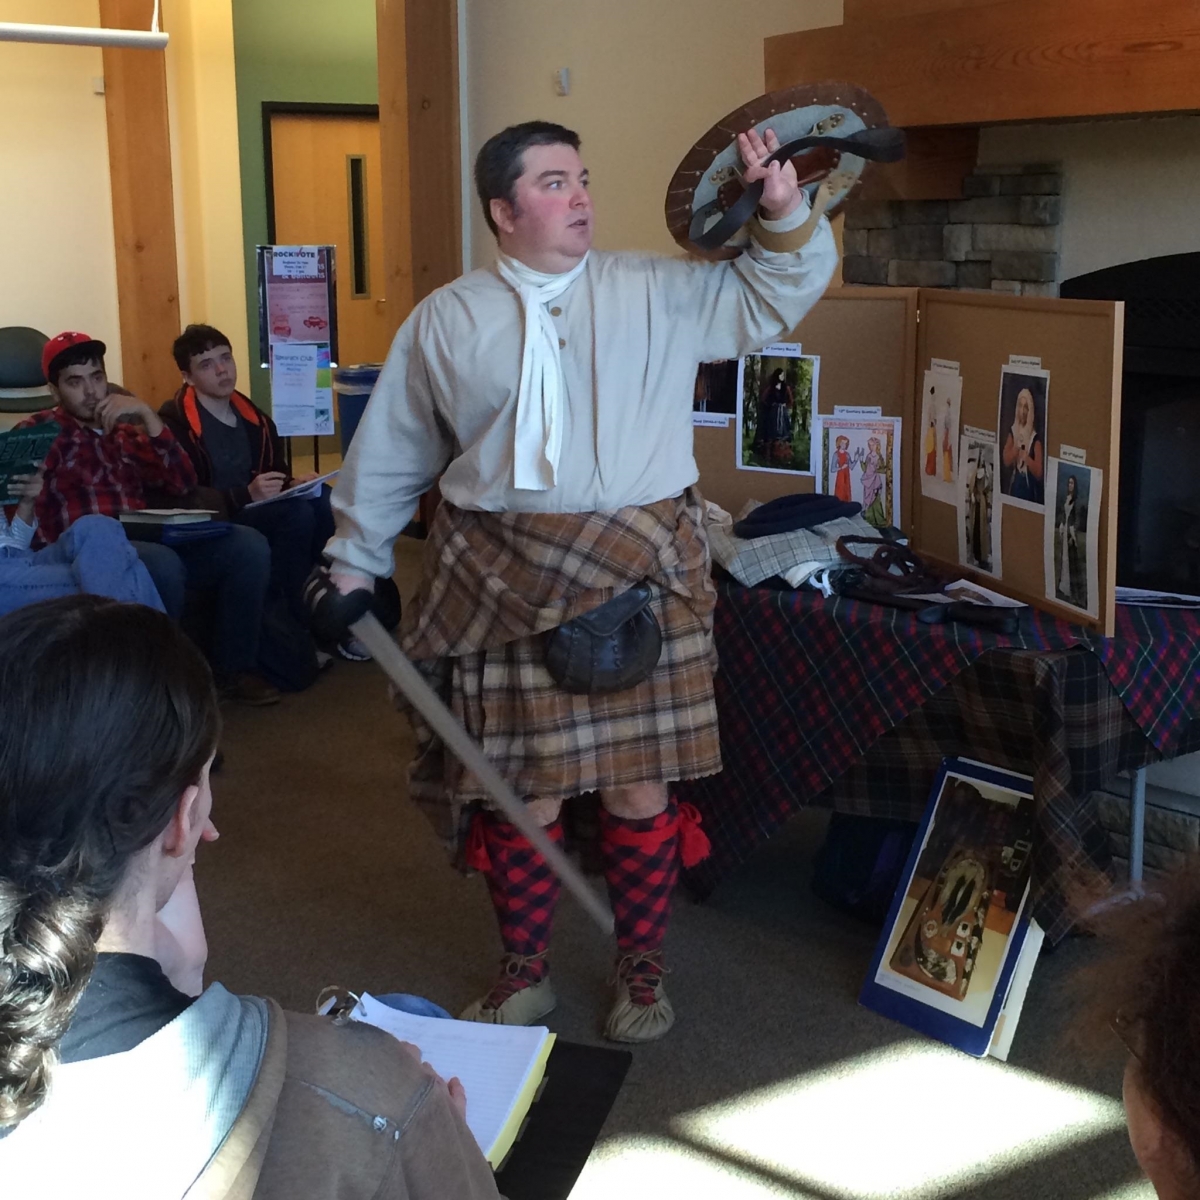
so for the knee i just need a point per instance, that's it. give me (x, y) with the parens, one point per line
(637, 802)
(544, 812)
(249, 551)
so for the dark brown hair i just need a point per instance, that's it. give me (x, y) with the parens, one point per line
(196, 340)
(107, 715)
(501, 160)
(1150, 984)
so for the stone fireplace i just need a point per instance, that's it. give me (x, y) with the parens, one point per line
(1004, 235)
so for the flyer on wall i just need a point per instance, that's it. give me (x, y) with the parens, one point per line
(1072, 539)
(859, 460)
(297, 297)
(776, 403)
(714, 400)
(941, 403)
(978, 508)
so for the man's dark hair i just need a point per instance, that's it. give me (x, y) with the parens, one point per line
(76, 356)
(500, 162)
(197, 339)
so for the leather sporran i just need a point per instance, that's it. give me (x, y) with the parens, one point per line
(609, 649)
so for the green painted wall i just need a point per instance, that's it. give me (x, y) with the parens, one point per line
(312, 51)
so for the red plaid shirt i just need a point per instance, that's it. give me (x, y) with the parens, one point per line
(107, 473)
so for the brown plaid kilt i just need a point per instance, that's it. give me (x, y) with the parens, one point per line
(494, 585)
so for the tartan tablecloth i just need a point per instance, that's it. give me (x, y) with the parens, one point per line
(852, 706)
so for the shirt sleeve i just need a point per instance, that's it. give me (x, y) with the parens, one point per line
(163, 461)
(740, 306)
(400, 448)
(16, 535)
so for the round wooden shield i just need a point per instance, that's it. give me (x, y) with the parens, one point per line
(708, 181)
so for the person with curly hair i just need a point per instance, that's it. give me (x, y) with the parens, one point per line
(120, 1074)
(1150, 982)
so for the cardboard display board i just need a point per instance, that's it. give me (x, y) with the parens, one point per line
(875, 345)
(866, 339)
(1079, 343)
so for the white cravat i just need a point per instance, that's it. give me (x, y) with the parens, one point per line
(537, 443)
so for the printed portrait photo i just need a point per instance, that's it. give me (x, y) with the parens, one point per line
(978, 511)
(716, 388)
(1021, 435)
(777, 395)
(1072, 534)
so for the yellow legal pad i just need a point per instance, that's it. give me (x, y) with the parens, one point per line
(500, 1066)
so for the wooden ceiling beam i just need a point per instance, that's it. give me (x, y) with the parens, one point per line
(1021, 60)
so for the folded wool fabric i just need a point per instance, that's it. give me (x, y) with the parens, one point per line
(805, 510)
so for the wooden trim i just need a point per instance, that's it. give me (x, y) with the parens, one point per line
(854, 11)
(392, 38)
(139, 155)
(1024, 60)
(431, 58)
(271, 108)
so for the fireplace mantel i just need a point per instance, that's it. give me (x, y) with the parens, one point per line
(955, 65)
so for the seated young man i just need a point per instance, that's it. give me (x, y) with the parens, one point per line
(93, 555)
(239, 458)
(112, 451)
(120, 1074)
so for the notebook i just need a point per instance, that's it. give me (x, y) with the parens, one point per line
(299, 491)
(167, 516)
(500, 1066)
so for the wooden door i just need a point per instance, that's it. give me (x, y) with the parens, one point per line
(328, 189)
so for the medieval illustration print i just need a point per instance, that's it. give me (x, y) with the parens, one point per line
(777, 400)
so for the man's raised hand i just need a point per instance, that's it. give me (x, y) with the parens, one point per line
(781, 189)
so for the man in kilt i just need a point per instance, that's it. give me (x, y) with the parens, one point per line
(552, 394)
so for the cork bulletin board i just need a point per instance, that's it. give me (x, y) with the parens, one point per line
(866, 339)
(1080, 343)
(875, 345)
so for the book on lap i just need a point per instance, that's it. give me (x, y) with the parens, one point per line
(167, 516)
(499, 1066)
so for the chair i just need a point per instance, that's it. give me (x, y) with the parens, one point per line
(23, 387)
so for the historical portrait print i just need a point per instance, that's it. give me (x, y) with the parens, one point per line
(1072, 535)
(978, 507)
(1021, 435)
(777, 400)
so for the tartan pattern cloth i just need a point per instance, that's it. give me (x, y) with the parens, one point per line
(809, 688)
(752, 560)
(104, 473)
(523, 888)
(641, 868)
(477, 639)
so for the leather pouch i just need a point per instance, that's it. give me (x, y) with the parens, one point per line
(612, 648)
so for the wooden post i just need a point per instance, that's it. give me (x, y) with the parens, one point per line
(392, 40)
(139, 154)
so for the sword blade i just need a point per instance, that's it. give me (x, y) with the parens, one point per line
(442, 721)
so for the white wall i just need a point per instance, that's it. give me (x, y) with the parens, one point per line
(649, 77)
(1130, 187)
(58, 265)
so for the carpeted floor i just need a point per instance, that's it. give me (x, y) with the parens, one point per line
(773, 1083)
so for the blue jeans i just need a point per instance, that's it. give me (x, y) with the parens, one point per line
(297, 531)
(93, 555)
(235, 568)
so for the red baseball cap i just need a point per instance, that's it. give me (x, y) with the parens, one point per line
(68, 341)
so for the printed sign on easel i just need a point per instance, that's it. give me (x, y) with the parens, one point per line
(297, 297)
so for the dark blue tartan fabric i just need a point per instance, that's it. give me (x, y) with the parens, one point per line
(852, 706)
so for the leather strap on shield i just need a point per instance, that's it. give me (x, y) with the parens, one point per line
(822, 128)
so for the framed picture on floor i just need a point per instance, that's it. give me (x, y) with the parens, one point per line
(959, 920)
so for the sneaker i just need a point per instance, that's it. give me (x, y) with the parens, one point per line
(519, 997)
(642, 1012)
(353, 650)
(248, 688)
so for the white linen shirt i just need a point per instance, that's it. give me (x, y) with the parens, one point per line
(633, 329)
